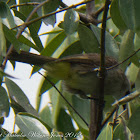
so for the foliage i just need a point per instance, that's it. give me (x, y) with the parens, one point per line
(71, 36)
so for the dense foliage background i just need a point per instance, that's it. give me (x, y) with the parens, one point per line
(77, 33)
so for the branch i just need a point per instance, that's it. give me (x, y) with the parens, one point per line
(24, 4)
(52, 13)
(127, 98)
(123, 60)
(102, 66)
(96, 118)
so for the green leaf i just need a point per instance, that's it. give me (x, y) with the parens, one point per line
(68, 42)
(46, 85)
(110, 43)
(122, 132)
(63, 119)
(4, 103)
(134, 123)
(18, 96)
(2, 41)
(116, 15)
(52, 34)
(82, 106)
(106, 133)
(32, 128)
(11, 2)
(27, 42)
(57, 102)
(33, 30)
(46, 116)
(25, 10)
(11, 37)
(8, 17)
(126, 48)
(48, 7)
(3, 10)
(130, 13)
(88, 40)
(138, 81)
(74, 48)
(71, 21)
(132, 72)
(52, 46)
(136, 45)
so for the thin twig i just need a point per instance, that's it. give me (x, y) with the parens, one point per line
(24, 4)
(8, 1)
(65, 99)
(53, 13)
(116, 35)
(123, 60)
(115, 116)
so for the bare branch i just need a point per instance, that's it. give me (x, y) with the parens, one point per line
(96, 118)
(24, 4)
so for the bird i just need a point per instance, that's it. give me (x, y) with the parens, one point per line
(79, 72)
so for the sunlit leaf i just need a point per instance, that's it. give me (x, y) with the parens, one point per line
(106, 133)
(121, 131)
(32, 128)
(2, 40)
(71, 21)
(8, 19)
(126, 48)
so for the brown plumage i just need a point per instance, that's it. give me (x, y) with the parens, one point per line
(78, 72)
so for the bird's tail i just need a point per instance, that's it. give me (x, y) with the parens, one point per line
(29, 58)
